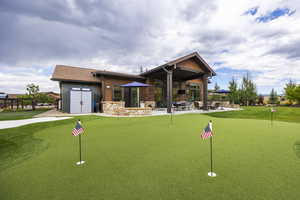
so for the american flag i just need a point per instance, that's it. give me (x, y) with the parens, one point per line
(207, 132)
(78, 129)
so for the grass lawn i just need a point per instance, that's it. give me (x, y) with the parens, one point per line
(147, 158)
(14, 115)
(287, 114)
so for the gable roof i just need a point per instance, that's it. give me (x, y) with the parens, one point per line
(178, 60)
(77, 74)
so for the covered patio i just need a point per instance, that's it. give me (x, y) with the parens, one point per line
(188, 68)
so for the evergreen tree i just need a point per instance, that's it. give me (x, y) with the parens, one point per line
(273, 97)
(248, 94)
(233, 95)
(290, 93)
(217, 87)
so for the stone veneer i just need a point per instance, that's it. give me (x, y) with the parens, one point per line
(110, 107)
(118, 108)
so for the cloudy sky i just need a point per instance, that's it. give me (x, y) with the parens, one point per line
(261, 37)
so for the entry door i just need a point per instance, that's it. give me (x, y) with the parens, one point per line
(86, 99)
(75, 101)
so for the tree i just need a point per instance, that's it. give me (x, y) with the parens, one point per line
(217, 87)
(260, 100)
(248, 93)
(33, 92)
(273, 97)
(233, 95)
(290, 91)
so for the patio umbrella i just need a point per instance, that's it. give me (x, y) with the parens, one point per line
(136, 85)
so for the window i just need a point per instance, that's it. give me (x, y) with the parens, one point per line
(117, 93)
(194, 92)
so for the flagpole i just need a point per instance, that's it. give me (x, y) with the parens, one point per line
(80, 148)
(211, 173)
(80, 157)
(211, 155)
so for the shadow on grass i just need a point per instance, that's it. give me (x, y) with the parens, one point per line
(19, 144)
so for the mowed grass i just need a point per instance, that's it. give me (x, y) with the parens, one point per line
(287, 114)
(15, 115)
(147, 158)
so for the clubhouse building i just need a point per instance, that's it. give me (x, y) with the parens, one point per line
(180, 83)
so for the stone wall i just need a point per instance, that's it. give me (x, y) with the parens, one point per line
(110, 107)
(148, 104)
(118, 108)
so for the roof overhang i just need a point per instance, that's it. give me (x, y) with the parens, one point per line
(172, 65)
(118, 75)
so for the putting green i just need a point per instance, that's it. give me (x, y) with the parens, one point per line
(147, 158)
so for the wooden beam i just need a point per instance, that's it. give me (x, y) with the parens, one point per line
(205, 92)
(169, 91)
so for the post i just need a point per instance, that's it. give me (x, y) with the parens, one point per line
(211, 155)
(80, 148)
(138, 96)
(205, 93)
(12, 104)
(169, 91)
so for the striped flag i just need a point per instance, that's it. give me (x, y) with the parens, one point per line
(78, 129)
(207, 132)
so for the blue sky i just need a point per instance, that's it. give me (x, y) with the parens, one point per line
(260, 37)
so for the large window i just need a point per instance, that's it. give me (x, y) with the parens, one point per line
(194, 92)
(117, 93)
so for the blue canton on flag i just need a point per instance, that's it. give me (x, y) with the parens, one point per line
(78, 129)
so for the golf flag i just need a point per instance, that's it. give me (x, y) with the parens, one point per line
(207, 132)
(273, 110)
(78, 129)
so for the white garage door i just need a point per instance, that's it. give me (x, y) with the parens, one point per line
(86, 99)
(80, 101)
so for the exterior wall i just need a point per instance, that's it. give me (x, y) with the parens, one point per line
(190, 63)
(66, 89)
(109, 84)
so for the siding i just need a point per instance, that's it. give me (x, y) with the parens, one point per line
(65, 92)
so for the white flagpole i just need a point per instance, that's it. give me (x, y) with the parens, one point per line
(211, 173)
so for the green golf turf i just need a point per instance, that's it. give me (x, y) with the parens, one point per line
(20, 114)
(147, 158)
(286, 114)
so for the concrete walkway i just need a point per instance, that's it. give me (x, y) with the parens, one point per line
(22, 122)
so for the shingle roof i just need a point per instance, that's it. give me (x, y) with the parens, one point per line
(78, 74)
(70, 73)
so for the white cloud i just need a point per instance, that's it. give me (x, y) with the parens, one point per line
(122, 37)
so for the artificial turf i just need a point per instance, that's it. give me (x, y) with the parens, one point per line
(20, 114)
(148, 158)
(283, 113)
